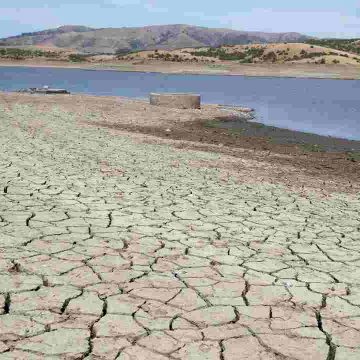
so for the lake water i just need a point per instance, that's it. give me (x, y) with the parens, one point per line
(326, 107)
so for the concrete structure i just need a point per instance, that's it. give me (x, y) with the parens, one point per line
(176, 100)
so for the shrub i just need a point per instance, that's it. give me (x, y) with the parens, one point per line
(77, 57)
(270, 56)
(246, 61)
(16, 53)
(255, 52)
(348, 45)
(313, 148)
(122, 52)
(223, 55)
(353, 156)
(232, 56)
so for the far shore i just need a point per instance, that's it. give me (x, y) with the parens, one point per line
(340, 72)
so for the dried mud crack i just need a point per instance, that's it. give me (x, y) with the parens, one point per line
(120, 245)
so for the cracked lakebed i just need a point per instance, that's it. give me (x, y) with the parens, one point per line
(120, 246)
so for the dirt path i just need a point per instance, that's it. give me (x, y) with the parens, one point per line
(118, 245)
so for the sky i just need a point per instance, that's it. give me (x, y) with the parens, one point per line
(322, 18)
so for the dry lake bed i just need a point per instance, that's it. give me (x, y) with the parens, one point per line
(117, 242)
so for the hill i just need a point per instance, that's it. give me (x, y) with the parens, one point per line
(274, 53)
(348, 45)
(121, 40)
(278, 53)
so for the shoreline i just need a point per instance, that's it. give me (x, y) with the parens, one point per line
(303, 71)
(244, 123)
(189, 130)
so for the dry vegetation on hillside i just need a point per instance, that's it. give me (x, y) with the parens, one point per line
(276, 53)
(276, 59)
(247, 54)
(38, 52)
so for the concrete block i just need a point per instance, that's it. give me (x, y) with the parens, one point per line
(176, 100)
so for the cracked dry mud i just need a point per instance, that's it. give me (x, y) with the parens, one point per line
(109, 251)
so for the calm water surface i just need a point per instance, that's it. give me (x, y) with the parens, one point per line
(326, 107)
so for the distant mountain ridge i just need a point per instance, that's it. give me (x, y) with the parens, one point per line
(116, 40)
(59, 30)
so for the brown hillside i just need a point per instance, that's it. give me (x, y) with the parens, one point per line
(120, 40)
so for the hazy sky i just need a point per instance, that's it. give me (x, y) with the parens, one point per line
(314, 17)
